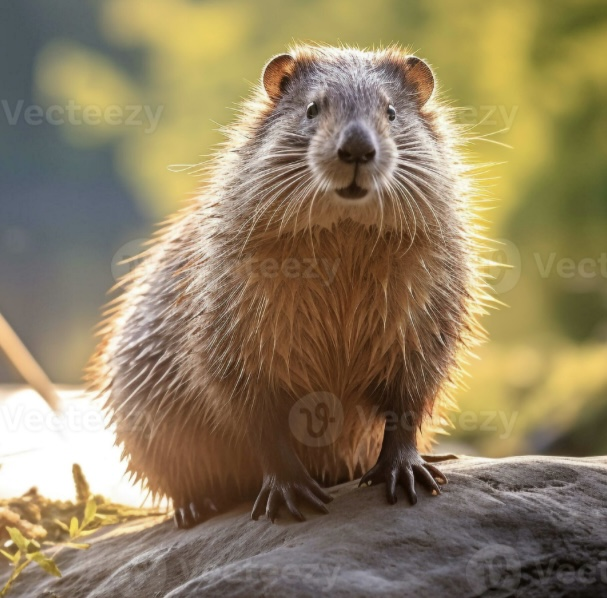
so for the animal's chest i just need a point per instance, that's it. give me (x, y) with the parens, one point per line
(332, 316)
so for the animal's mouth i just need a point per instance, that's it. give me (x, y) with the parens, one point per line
(352, 191)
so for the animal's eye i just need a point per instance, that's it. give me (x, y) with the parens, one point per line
(312, 110)
(391, 112)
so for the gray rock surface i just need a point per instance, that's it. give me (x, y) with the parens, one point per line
(523, 526)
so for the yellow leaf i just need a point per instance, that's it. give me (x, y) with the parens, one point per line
(73, 527)
(17, 538)
(89, 512)
(62, 525)
(45, 563)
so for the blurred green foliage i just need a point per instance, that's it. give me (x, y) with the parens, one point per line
(529, 74)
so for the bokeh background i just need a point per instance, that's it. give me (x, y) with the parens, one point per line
(77, 197)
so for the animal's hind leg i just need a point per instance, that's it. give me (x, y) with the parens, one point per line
(189, 513)
(210, 476)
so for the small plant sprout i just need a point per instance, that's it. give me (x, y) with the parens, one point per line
(29, 551)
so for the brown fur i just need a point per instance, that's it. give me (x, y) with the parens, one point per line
(203, 347)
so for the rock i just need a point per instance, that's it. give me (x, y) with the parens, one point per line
(523, 526)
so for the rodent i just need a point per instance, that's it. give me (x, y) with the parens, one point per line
(344, 163)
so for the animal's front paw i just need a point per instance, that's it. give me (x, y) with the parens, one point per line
(189, 514)
(276, 492)
(403, 465)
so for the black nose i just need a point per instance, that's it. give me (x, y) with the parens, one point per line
(356, 144)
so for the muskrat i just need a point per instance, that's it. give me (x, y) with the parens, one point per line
(343, 165)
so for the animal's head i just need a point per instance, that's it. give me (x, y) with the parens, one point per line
(344, 134)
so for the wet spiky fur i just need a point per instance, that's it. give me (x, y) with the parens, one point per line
(203, 345)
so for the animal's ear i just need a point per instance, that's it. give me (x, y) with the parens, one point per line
(419, 75)
(276, 75)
